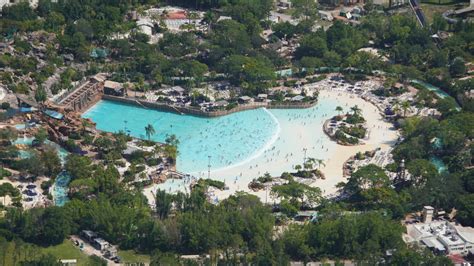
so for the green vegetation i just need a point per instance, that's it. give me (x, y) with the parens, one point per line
(213, 183)
(130, 256)
(355, 131)
(295, 195)
(341, 137)
(67, 250)
(13, 252)
(149, 131)
(361, 226)
(4, 173)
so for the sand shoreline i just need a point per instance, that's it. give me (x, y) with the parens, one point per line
(295, 136)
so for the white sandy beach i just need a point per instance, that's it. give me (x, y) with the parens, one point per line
(287, 150)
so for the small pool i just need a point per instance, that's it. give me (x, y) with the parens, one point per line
(24, 141)
(23, 126)
(54, 114)
(20, 126)
(439, 164)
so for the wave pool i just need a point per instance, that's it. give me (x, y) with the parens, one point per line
(229, 140)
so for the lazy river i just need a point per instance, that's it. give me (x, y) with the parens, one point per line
(61, 182)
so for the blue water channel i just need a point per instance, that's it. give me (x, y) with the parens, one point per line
(61, 182)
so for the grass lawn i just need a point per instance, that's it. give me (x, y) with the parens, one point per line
(12, 253)
(430, 10)
(130, 256)
(67, 250)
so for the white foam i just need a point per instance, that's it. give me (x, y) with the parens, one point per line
(257, 153)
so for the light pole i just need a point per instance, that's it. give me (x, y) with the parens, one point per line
(266, 195)
(304, 158)
(209, 167)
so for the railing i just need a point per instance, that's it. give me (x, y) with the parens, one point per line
(65, 94)
(418, 13)
(199, 112)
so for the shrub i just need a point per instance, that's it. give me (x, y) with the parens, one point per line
(5, 106)
(4, 173)
(153, 161)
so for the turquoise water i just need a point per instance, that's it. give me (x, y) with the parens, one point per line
(440, 166)
(62, 180)
(20, 126)
(248, 142)
(430, 87)
(24, 141)
(61, 188)
(228, 139)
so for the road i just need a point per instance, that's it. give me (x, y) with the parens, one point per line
(90, 250)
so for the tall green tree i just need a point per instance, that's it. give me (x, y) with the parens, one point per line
(149, 131)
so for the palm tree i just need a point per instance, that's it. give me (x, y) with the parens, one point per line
(194, 93)
(309, 164)
(396, 107)
(356, 110)
(149, 131)
(320, 162)
(210, 18)
(298, 167)
(172, 140)
(339, 109)
(405, 107)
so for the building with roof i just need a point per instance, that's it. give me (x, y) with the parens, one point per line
(262, 97)
(145, 26)
(325, 15)
(442, 237)
(346, 13)
(100, 244)
(245, 99)
(113, 88)
(88, 235)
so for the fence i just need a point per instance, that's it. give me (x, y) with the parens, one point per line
(199, 112)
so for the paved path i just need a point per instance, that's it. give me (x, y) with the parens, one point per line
(3, 93)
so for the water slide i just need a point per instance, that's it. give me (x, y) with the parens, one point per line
(415, 6)
(450, 15)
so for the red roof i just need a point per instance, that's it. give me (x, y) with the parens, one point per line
(456, 259)
(177, 15)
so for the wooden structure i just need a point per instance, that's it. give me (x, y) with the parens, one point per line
(84, 95)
